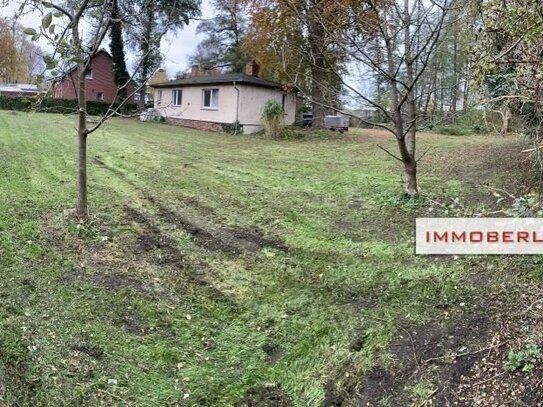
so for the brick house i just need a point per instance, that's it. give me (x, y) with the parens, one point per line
(99, 82)
(212, 100)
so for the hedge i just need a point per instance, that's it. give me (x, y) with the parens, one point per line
(50, 105)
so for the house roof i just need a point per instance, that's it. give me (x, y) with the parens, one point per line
(63, 75)
(219, 79)
(18, 87)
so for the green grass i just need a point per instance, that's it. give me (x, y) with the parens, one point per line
(201, 321)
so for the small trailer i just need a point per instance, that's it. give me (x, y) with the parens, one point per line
(339, 123)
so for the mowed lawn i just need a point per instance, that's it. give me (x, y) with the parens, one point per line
(218, 269)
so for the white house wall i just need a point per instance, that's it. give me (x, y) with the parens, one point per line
(192, 104)
(251, 104)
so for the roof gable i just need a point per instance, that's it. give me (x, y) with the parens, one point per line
(73, 68)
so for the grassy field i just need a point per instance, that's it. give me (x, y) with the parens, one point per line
(233, 270)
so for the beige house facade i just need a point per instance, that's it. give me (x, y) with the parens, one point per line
(213, 102)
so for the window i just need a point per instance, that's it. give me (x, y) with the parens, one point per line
(88, 73)
(177, 97)
(211, 98)
(159, 97)
(100, 96)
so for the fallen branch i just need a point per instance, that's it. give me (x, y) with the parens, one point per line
(532, 306)
(532, 149)
(412, 347)
(498, 190)
(455, 356)
(489, 380)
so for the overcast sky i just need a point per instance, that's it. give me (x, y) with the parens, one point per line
(176, 48)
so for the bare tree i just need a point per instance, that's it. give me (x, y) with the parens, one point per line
(63, 25)
(393, 42)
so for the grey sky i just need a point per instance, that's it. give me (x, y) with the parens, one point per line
(176, 47)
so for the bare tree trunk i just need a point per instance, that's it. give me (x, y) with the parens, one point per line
(410, 186)
(467, 75)
(82, 210)
(433, 95)
(410, 169)
(406, 144)
(427, 104)
(82, 202)
(318, 97)
(318, 66)
(506, 123)
(454, 90)
(410, 76)
(441, 99)
(147, 58)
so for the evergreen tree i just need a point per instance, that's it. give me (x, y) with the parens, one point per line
(151, 19)
(120, 74)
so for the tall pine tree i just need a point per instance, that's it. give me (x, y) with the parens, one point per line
(120, 74)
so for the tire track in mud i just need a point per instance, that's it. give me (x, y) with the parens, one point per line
(213, 237)
(161, 250)
(220, 238)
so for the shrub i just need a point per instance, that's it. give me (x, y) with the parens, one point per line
(50, 105)
(452, 130)
(273, 118)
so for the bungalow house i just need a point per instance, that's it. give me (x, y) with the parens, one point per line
(211, 101)
(99, 82)
(18, 89)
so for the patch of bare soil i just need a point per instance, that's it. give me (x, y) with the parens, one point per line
(488, 383)
(273, 351)
(156, 248)
(265, 395)
(89, 349)
(218, 237)
(428, 352)
(113, 282)
(135, 325)
(161, 249)
(460, 358)
(154, 265)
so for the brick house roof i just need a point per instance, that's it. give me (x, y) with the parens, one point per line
(99, 86)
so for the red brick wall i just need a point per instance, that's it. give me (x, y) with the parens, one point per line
(196, 124)
(102, 81)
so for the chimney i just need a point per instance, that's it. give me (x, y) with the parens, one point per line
(194, 71)
(252, 68)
